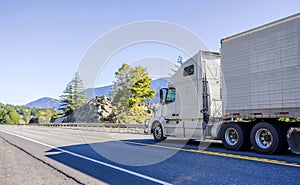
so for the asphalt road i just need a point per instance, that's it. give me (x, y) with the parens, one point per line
(93, 157)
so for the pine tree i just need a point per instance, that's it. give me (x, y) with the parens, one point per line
(74, 95)
(122, 85)
(121, 91)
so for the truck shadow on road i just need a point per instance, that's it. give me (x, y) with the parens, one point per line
(84, 157)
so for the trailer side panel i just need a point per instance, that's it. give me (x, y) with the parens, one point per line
(261, 71)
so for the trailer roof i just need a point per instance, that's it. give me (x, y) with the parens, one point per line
(292, 17)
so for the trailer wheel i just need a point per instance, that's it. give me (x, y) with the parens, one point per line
(235, 136)
(158, 132)
(268, 138)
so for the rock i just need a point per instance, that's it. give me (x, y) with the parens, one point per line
(100, 109)
(96, 110)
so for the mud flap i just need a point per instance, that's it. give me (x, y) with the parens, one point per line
(293, 139)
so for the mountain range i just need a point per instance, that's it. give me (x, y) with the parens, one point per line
(52, 103)
(43, 103)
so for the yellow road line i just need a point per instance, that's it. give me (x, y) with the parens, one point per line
(249, 158)
(235, 156)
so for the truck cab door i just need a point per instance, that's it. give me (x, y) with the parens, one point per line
(170, 112)
(169, 106)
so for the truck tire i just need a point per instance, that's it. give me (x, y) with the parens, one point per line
(268, 138)
(235, 136)
(158, 134)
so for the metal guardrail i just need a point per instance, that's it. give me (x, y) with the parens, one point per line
(104, 127)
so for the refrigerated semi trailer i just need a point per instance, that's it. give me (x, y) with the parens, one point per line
(248, 95)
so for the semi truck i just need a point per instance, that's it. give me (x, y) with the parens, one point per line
(247, 95)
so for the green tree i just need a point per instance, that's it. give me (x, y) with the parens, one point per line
(74, 95)
(141, 88)
(3, 112)
(131, 87)
(24, 112)
(45, 115)
(9, 116)
(121, 89)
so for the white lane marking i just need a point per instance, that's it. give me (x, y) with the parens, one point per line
(92, 160)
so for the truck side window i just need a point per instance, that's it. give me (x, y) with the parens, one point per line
(189, 70)
(170, 95)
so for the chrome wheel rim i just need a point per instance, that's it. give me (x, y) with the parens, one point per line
(264, 138)
(231, 136)
(158, 132)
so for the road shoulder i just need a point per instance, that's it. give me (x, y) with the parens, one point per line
(18, 167)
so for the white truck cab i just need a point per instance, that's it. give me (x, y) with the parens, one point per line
(191, 105)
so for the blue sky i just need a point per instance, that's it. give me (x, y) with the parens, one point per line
(42, 42)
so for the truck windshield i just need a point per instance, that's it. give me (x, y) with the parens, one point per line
(170, 95)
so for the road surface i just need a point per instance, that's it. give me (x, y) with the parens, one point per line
(93, 157)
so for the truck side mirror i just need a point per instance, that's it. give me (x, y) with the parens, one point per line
(161, 96)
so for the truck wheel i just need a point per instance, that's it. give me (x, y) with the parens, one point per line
(235, 136)
(268, 139)
(158, 133)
